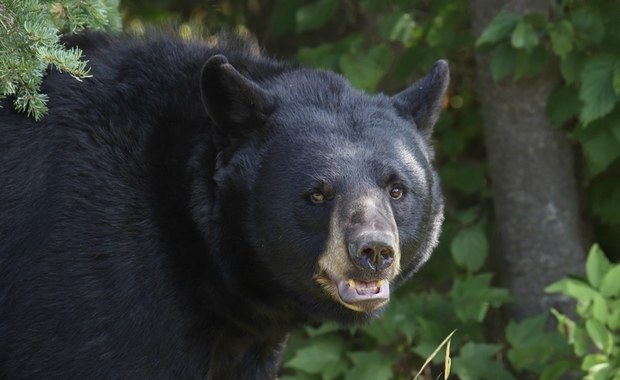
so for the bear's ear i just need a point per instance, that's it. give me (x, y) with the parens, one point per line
(422, 100)
(236, 104)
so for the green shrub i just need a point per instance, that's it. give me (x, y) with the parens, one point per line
(594, 332)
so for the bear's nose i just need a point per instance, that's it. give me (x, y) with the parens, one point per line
(374, 252)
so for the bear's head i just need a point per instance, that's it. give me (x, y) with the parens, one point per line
(334, 189)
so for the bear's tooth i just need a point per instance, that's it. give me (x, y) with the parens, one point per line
(351, 283)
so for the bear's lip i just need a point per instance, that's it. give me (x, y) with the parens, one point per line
(359, 295)
(353, 291)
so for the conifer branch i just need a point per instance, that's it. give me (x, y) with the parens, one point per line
(30, 33)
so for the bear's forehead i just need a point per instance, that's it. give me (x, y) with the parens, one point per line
(365, 119)
(339, 153)
(349, 132)
(359, 133)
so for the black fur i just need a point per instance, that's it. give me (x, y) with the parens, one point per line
(156, 223)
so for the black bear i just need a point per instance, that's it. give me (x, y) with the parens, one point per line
(179, 212)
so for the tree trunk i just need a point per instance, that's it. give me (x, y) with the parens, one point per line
(539, 235)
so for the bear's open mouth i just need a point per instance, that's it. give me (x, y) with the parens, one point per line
(352, 291)
(363, 296)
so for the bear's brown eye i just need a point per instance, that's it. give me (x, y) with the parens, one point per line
(396, 192)
(317, 197)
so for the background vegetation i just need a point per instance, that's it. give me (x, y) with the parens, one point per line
(569, 47)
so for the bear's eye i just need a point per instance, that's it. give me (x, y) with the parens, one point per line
(397, 191)
(317, 197)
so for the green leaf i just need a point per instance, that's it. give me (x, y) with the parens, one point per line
(597, 265)
(580, 341)
(563, 105)
(574, 333)
(559, 286)
(565, 324)
(561, 34)
(571, 67)
(573, 288)
(591, 360)
(616, 80)
(599, 309)
(588, 21)
(372, 365)
(453, 141)
(394, 323)
(333, 370)
(503, 61)
(498, 29)
(610, 286)
(315, 15)
(327, 56)
(613, 319)
(530, 62)
(470, 248)
(323, 56)
(365, 69)
(597, 92)
(323, 356)
(537, 20)
(524, 36)
(527, 331)
(602, 371)
(473, 295)
(532, 346)
(473, 350)
(615, 127)
(602, 338)
(397, 26)
(468, 216)
(465, 177)
(600, 150)
(555, 371)
(476, 362)
(605, 199)
(441, 34)
(433, 332)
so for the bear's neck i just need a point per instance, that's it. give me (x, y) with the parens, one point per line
(233, 265)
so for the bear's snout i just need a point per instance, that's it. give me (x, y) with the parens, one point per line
(362, 255)
(371, 236)
(372, 250)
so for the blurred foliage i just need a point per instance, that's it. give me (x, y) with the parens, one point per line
(30, 42)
